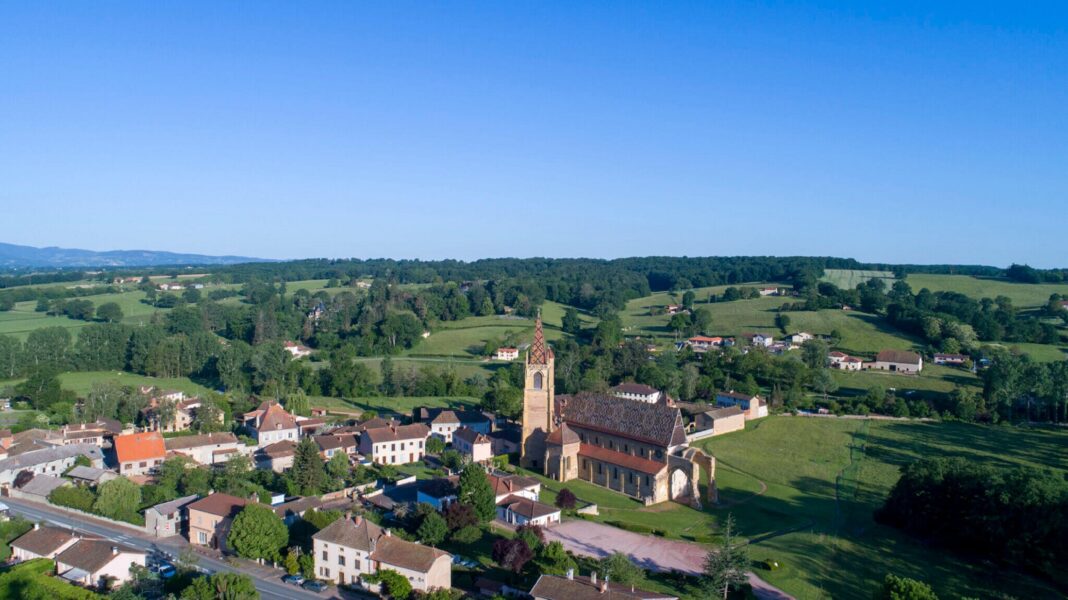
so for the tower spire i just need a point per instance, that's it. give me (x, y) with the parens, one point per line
(539, 354)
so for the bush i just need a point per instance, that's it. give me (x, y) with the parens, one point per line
(78, 498)
(467, 535)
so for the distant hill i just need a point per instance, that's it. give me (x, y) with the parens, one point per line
(21, 257)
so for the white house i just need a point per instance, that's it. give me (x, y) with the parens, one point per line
(760, 339)
(166, 519)
(475, 446)
(950, 359)
(271, 423)
(98, 563)
(637, 391)
(353, 546)
(206, 448)
(397, 445)
(47, 461)
(42, 542)
(297, 350)
(505, 485)
(518, 510)
(799, 338)
(506, 353)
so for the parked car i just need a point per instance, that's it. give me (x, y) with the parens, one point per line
(167, 570)
(293, 579)
(314, 585)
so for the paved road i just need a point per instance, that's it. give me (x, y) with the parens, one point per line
(270, 586)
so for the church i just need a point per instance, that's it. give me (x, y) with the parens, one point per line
(634, 448)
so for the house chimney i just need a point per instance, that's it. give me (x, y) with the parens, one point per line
(36, 525)
(389, 533)
(604, 586)
(593, 577)
(570, 574)
(114, 550)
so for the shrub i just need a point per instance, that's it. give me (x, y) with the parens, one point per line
(467, 535)
(78, 498)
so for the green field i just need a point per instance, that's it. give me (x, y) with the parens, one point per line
(1023, 295)
(23, 319)
(848, 279)
(803, 491)
(81, 383)
(400, 405)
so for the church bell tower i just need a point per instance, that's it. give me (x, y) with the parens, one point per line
(537, 401)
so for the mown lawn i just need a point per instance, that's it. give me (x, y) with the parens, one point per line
(82, 382)
(848, 279)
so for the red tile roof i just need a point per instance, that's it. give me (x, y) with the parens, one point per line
(139, 446)
(620, 459)
(223, 505)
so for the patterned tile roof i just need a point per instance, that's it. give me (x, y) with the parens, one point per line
(651, 423)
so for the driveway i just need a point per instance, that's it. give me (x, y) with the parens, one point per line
(652, 553)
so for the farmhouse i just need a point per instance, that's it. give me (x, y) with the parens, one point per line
(636, 391)
(717, 422)
(634, 448)
(673, 309)
(352, 546)
(950, 359)
(759, 339)
(754, 407)
(139, 453)
(297, 350)
(844, 362)
(210, 519)
(506, 353)
(395, 445)
(796, 339)
(702, 343)
(768, 291)
(898, 361)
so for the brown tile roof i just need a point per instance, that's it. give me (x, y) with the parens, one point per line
(621, 459)
(898, 356)
(356, 532)
(222, 505)
(44, 540)
(279, 449)
(395, 434)
(91, 555)
(376, 423)
(470, 436)
(446, 416)
(509, 484)
(563, 435)
(721, 413)
(331, 440)
(552, 587)
(139, 446)
(275, 417)
(527, 507)
(408, 555)
(651, 423)
(204, 439)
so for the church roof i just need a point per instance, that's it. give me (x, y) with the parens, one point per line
(563, 435)
(651, 423)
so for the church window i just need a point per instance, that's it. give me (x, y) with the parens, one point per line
(537, 381)
(615, 473)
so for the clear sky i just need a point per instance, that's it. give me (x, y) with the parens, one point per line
(892, 131)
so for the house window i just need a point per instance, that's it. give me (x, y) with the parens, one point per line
(325, 557)
(341, 560)
(202, 537)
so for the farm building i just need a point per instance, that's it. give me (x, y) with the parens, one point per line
(506, 353)
(950, 359)
(897, 361)
(637, 391)
(754, 407)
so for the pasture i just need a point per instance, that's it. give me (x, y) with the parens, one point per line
(23, 318)
(1023, 295)
(848, 279)
(397, 405)
(803, 491)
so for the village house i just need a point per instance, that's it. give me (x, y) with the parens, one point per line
(897, 361)
(38, 488)
(519, 511)
(184, 414)
(395, 445)
(139, 453)
(674, 309)
(445, 422)
(310, 426)
(353, 546)
(84, 475)
(96, 433)
(505, 441)
(168, 518)
(98, 563)
(768, 290)
(472, 445)
(206, 448)
(277, 456)
(553, 587)
(43, 541)
(209, 519)
(954, 360)
(704, 342)
(718, 421)
(271, 423)
(844, 362)
(754, 407)
(297, 350)
(759, 339)
(506, 353)
(331, 444)
(796, 339)
(46, 461)
(636, 391)
(294, 508)
(505, 485)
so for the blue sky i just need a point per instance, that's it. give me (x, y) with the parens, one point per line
(904, 133)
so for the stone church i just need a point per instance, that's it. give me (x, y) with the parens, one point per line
(633, 448)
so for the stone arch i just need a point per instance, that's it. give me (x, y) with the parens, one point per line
(679, 484)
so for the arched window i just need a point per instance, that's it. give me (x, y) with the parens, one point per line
(537, 381)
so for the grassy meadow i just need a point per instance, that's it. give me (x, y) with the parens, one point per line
(1023, 295)
(848, 279)
(803, 491)
(386, 405)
